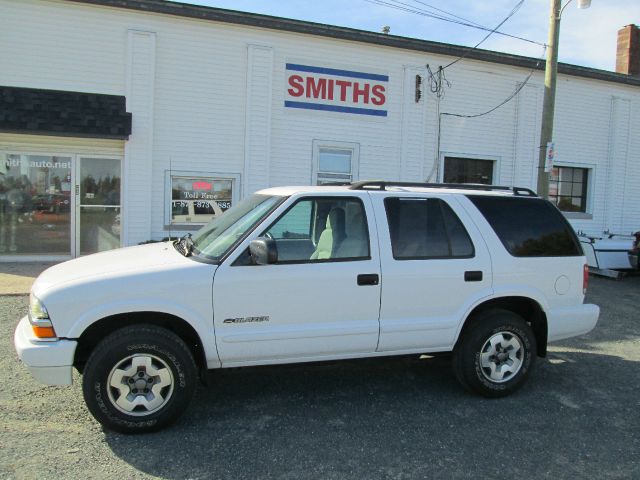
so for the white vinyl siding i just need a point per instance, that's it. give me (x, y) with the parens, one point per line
(209, 97)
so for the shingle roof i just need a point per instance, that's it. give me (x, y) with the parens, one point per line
(63, 113)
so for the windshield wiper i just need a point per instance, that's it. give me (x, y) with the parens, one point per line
(184, 245)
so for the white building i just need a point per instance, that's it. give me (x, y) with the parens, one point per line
(123, 121)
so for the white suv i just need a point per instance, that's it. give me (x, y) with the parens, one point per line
(303, 274)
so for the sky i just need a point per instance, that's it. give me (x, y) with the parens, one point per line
(587, 37)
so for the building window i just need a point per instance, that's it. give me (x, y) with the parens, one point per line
(196, 199)
(335, 162)
(468, 170)
(568, 188)
(35, 204)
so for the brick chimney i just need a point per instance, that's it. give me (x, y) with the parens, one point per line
(628, 52)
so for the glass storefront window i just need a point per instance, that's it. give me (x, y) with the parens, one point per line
(35, 205)
(197, 200)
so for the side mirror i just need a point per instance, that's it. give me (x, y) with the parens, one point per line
(263, 251)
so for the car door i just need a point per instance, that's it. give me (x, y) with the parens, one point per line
(435, 266)
(321, 299)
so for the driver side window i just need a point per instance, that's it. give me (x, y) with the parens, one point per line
(321, 229)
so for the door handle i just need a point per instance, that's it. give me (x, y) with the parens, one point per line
(473, 276)
(368, 279)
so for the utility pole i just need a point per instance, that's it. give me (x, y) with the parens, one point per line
(548, 106)
(550, 75)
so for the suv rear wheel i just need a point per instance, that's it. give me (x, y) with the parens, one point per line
(139, 379)
(495, 354)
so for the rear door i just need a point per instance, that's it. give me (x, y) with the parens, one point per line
(320, 300)
(435, 266)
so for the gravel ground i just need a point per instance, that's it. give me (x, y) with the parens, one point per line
(402, 418)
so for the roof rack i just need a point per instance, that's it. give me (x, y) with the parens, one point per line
(382, 185)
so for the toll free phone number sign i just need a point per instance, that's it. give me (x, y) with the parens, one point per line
(329, 89)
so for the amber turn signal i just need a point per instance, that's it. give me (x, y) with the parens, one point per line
(43, 332)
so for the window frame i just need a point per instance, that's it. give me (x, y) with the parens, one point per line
(73, 155)
(168, 200)
(505, 238)
(588, 203)
(335, 145)
(434, 257)
(313, 210)
(495, 161)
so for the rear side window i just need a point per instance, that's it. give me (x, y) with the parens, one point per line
(422, 228)
(529, 227)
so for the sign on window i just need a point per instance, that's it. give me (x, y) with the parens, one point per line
(197, 200)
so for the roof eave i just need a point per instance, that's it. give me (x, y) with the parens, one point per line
(351, 34)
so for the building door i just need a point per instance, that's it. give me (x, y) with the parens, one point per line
(98, 192)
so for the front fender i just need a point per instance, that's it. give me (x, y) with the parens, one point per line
(203, 326)
(182, 289)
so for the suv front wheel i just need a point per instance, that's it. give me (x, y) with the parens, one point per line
(495, 353)
(139, 379)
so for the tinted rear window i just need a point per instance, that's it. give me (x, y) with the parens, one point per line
(529, 227)
(422, 228)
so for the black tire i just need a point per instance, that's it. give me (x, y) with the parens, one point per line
(509, 351)
(128, 358)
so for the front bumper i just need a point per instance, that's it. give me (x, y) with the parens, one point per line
(571, 321)
(49, 362)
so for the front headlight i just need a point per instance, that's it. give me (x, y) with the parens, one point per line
(37, 310)
(39, 319)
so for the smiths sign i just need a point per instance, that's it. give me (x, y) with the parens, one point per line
(329, 89)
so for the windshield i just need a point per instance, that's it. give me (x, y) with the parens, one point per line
(218, 236)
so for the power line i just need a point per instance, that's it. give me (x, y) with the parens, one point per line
(509, 98)
(428, 5)
(437, 82)
(451, 18)
(448, 17)
(511, 14)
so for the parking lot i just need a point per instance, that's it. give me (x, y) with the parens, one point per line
(397, 418)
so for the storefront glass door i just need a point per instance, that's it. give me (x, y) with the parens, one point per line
(35, 205)
(98, 205)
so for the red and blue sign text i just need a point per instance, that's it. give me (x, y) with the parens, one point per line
(333, 90)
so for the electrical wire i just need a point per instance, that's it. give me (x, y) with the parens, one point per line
(511, 14)
(451, 18)
(437, 81)
(446, 13)
(509, 98)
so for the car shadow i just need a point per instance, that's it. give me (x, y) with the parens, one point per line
(396, 418)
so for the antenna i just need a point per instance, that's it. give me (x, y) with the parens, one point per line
(170, 195)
